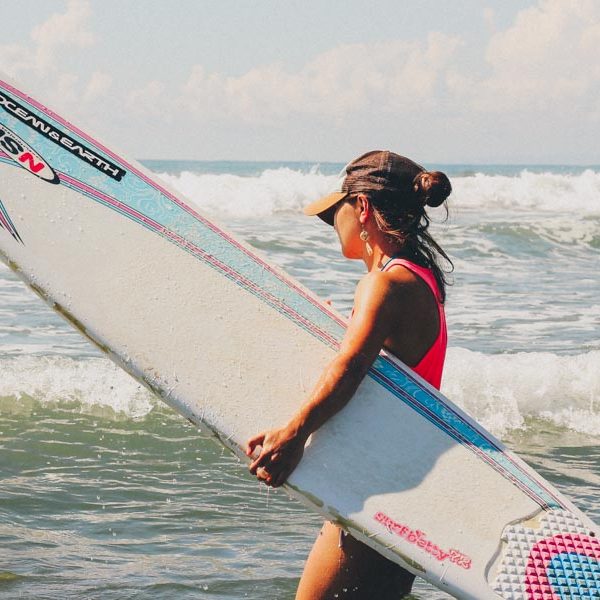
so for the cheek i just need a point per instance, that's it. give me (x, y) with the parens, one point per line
(348, 235)
(348, 228)
(343, 244)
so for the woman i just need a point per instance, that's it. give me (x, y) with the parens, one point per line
(379, 216)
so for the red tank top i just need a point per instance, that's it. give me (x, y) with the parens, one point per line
(430, 367)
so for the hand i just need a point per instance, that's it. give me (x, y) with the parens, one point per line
(281, 451)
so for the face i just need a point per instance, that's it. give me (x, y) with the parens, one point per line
(347, 225)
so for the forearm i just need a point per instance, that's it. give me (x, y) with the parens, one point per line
(333, 391)
(281, 448)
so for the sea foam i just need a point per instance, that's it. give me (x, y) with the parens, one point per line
(88, 384)
(273, 191)
(539, 192)
(500, 391)
(285, 189)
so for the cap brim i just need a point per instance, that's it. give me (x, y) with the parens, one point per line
(321, 207)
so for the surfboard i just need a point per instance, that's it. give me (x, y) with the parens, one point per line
(234, 344)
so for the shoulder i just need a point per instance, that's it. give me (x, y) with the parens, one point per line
(379, 288)
(387, 282)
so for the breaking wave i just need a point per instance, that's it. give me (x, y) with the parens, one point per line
(501, 391)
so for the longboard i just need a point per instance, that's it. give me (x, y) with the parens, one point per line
(234, 344)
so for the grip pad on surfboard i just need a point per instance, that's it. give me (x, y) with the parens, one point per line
(555, 559)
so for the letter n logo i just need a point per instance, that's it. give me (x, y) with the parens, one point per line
(33, 166)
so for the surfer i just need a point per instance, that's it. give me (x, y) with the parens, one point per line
(379, 214)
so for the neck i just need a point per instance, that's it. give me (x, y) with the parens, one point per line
(381, 252)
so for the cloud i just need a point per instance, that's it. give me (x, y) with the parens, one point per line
(546, 62)
(149, 100)
(336, 84)
(39, 63)
(69, 29)
(536, 80)
(60, 31)
(97, 86)
(548, 59)
(489, 18)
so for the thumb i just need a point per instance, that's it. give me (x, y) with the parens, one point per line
(257, 440)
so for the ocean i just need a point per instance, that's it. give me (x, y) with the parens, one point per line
(107, 493)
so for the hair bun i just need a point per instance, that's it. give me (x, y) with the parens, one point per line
(432, 187)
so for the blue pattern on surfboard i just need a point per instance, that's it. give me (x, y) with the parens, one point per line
(574, 576)
(142, 197)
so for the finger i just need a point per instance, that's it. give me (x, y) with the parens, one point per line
(253, 442)
(261, 461)
(263, 475)
(257, 440)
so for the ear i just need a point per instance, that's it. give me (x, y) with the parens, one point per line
(363, 204)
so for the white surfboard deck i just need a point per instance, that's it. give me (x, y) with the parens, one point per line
(235, 344)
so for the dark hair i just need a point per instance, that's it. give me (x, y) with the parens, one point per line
(403, 219)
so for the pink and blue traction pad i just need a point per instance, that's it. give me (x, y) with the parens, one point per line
(538, 564)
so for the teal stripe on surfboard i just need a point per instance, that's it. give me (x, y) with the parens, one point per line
(405, 387)
(149, 200)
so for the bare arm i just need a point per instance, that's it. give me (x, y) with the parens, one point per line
(376, 306)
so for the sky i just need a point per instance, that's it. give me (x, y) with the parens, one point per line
(466, 81)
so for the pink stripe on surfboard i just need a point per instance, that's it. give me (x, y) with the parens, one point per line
(4, 222)
(199, 251)
(172, 197)
(188, 209)
(109, 200)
